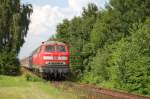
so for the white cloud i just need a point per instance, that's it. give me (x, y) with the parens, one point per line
(77, 5)
(44, 20)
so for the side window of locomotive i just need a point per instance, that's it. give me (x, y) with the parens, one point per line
(61, 48)
(49, 48)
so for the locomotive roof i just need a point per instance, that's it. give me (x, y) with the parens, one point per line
(53, 42)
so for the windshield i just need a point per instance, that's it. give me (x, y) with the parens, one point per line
(50, 48)
(60, 48)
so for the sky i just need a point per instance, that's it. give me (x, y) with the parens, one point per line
(45, 17)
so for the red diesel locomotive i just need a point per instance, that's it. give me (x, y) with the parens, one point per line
(50, 59)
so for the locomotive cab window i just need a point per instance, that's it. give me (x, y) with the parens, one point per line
(60, 48)
(49, 48)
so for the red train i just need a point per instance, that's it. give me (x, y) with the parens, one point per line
(50, 59)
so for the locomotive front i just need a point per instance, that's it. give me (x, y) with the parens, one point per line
(52, 57)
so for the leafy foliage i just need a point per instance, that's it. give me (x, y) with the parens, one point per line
(14, 21)
(133, 60)
(111, 45)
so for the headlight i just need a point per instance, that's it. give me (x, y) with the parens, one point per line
(62, 58)
(48, 57)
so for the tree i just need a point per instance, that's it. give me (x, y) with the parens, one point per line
(110, 47)
(14, 21)
(132, 58)
(62, 31)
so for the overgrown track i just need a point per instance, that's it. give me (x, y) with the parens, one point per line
(86, 91)
(92, 92)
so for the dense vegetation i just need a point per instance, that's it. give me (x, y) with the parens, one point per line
(14, 21)
(111, 47)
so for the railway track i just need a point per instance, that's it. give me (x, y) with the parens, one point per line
(85, 91)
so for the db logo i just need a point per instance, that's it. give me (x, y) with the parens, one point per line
(55, 57)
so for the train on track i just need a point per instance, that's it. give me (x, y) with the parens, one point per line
(50, 59)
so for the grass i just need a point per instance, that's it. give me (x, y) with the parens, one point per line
(20, 88)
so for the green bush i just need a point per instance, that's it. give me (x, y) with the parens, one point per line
(9, 64)
(32, 77)
(132, 60)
